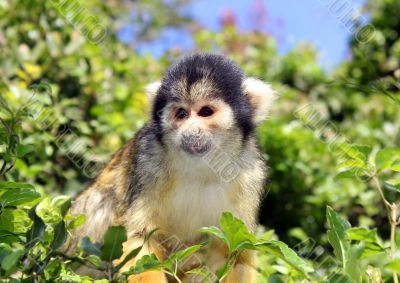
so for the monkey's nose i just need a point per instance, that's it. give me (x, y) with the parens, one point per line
(195, 144)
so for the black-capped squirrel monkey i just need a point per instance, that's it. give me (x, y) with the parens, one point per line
(196, 158)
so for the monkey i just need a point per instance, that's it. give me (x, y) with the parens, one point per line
(196, 158)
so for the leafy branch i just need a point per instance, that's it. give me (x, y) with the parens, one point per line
(360, 162)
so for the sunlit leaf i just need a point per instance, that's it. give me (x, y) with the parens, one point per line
(78, 221)
(386, 157)
(348, 254)
(337, 233)
(147, 262)
(49, 213)
(345, 175)
(281, 250)
(215, 232)
(181, 255)
(63, 203)
(362, 234)
(235, 231)
(393, 265)
(16, 197)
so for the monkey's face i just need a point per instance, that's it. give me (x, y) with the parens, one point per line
(198, 127)
(205, 102)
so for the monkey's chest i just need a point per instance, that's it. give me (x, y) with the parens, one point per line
(192, 205)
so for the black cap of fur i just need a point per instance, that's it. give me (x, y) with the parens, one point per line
(224, 74)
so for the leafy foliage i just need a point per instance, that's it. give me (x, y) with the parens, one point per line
(67, 103)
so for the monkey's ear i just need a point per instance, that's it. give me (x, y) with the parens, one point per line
(151, 91)
(261, 97)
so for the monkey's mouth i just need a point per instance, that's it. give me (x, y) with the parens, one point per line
(195, 145)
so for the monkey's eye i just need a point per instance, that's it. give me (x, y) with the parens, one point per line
(181, 114)
(206, 112)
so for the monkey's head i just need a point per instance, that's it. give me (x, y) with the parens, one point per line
(206, 102)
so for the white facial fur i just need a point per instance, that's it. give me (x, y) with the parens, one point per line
(219, 130)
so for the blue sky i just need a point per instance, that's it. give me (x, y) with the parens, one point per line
(289, 21)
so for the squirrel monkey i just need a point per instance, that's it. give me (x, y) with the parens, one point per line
(196, 158)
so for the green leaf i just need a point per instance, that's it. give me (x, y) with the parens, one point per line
(281, 250)
(113, 239)
(15, 220)
(386, 157)
(147, 262)
(392, 184)
(348, 254)
(36, 232)
(52, 270)
(60, 235)
(337, 233)
(9, 237)
(63, 203)
(6, 219)
(351, 264)
(269, 234)
(215, 232)
(78, 221)
(362, 234)
(345, 174)
(365, 151)
(48, 212)
(15, 185)
(89, 247)
(134, 252)
(354, 165)
(235, 231)
(370, 237)
(393, 265)
(372, 249)
(355, 152)
(16, 197)
(395, 166)
(355, 160)
(10, 261)
(23, 150)
(180, 255)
